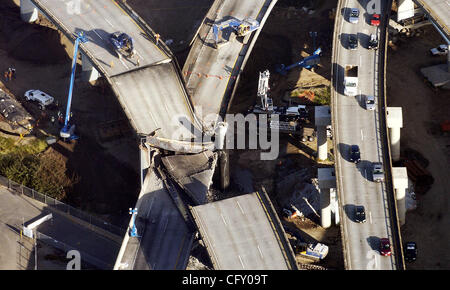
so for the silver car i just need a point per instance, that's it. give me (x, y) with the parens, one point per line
(370, 102)
(354, 15)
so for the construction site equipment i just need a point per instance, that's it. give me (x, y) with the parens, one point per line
(351, 80)
(123, 44)
(40, 97)
(316, 252)
(239, 27)
(440, 50)
(307, 62)
(68, 130)
(263, 93)
(306, 131)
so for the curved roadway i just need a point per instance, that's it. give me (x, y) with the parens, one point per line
(353, 124)
(150, 91)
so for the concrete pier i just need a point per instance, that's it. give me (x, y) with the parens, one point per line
(89, 72)
(327, 180)
(400, 182)
(322, 120)
(28, 12)
(394, 123)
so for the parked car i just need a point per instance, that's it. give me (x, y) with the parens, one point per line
(385, 247)
(355, 155)
(360, 214)
(40, 97)
(354, 15)
(375, 20)
(370, 103)
(440, 50)
(373, 42)
(352, 41)
(410, 251)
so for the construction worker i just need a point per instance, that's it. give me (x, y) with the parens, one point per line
(137, 62)
(53, 120)
(13, 70)
(6, 75)
(10, 74)
(157, 37)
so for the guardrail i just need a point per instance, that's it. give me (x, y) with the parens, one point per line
(396, 235)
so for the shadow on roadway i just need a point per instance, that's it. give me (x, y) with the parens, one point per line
(373, 242)
(339, 78)
(349, 210)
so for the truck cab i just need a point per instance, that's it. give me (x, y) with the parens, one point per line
(351, 80)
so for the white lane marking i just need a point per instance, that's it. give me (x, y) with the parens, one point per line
(362, 136)
(365, 173)
(240, 207)
(150, 207)
(240, 260)
(140, 56)
(260, 252)
(97, 34)
(109, 23)
(360, 61)
(223, 219)
(370, 217)
(121, 60)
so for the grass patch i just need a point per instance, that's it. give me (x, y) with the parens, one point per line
(9, 146)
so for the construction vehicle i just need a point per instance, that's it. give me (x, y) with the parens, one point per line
(440, 50)
(240, 28)
(40, 97)
(316, 251)
(351, 80)
(308, 62)
(123, 44)
(306, 131)
(68, 130)
(263, 93)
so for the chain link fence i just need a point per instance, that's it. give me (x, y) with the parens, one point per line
(17, 188)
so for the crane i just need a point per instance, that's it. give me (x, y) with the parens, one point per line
(67, 132)
(307, 62)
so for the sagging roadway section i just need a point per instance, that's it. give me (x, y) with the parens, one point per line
(212, 74)
(354, 125)
(148, 86)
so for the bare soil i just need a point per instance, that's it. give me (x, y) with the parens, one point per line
(424, 108)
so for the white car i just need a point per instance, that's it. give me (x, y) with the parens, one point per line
(42, 98)
(440, 50)
(354, 15)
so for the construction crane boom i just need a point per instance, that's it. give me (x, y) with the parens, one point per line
(67, 132)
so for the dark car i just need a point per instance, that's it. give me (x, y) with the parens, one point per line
(373, 42)
(355, 155)
(360, 214)
(385, 247)
(375, 20)
(410, 251)
(352, 41)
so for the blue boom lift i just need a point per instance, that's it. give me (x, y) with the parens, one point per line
(240, 27)
(67, 132)
(307, 62)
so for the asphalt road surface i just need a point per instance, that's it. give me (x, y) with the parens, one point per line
(356, 125)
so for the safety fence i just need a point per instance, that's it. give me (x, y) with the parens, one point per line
(20, 189)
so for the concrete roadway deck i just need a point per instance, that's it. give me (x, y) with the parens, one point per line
(211, 73)
(240, 234)
(439, 11)
(166, 239)
(152, 95)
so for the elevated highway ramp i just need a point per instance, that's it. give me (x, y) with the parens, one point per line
(150, 91)
(439, 12)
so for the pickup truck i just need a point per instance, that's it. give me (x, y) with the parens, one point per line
(351, 80)
(42, 98)
(440, 50)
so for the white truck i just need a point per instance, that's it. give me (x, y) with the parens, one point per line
(351, 80)
(440, 50)
(42, 98)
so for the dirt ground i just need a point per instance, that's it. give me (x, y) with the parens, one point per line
(285, 39)
(108, 181)
(424, 108)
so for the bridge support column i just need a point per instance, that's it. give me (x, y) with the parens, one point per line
(405, 9)
(89, 72)
(28, 12)
(394, 123)
(220, 134)
(327, 180)
(322, 120)
(400, 182)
